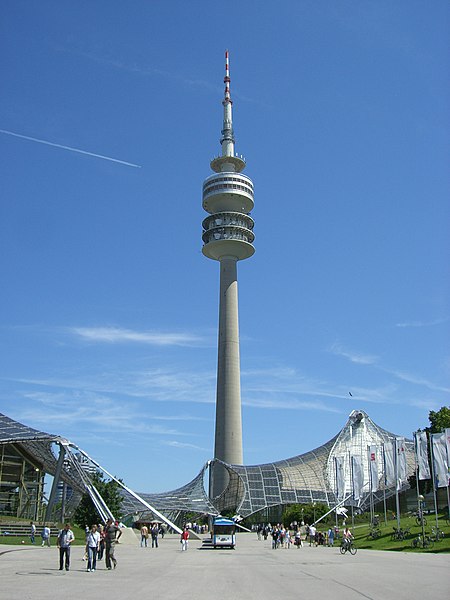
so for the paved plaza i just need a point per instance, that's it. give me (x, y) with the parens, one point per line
(252, 571)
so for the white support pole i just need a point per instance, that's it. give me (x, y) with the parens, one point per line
(141, 500)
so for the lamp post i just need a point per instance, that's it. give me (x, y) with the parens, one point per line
(420, 498)
(314, 510)
(37, 494)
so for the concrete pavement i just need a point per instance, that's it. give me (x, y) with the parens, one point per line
(252, 571)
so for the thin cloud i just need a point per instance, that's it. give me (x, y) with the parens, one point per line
(70, 148)
(86, 409)
(422, 323)
(114, 335)
(183, 445)
(360, 359)
(281, 404)
(152, 71)
(414, 379)
(399, 374)
(159, 385)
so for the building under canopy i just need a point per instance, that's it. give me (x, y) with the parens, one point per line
(326, 474)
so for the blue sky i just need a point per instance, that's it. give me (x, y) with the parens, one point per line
(108, 310)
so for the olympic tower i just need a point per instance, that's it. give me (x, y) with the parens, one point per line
(228, 237)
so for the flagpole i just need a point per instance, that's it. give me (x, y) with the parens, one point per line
(416, 461)
(352, 476)
(397, 499)
(433, 478)
(384, 484)
(447, 445)
(370, 486)
(448, 502)
(337, 489)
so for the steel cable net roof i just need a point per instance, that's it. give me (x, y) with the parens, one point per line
(191, 497)
(311, 477)
(39, 446)
(305, 478)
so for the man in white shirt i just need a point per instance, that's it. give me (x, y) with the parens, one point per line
(45, 536)
(312, 534)
(65, 538)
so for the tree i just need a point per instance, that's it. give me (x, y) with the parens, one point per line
(439, 420)
(87, 514)
(304, 512)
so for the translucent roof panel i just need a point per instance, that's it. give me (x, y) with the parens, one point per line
(309, 477)
(11, 431)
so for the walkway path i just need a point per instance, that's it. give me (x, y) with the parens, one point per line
(253, 571)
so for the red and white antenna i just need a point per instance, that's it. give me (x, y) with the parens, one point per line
(226, 79)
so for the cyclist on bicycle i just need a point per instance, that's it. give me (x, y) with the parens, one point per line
(347, 536)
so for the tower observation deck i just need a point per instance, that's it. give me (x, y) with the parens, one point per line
(228, 237)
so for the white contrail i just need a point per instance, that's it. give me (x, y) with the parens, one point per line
(32, 139)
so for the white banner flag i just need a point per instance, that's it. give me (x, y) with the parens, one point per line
(440, 459)
(357, 477)
(421, 450)
(373, 469)
(402, 471)
(447, 441)
(390, 478)
(340, 476)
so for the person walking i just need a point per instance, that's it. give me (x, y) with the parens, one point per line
(32, 532)
(331, 536)
(101, 547)
(312, 535)
(45, 535)
(154, 533)
(184, 539)
(298, 539)
(144, 536)
(92, 547)
(64, 541)
(112, 535)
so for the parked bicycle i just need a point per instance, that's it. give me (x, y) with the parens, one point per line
(420, 542)
(398, 535)
(374, 533)
(420, 519)
(348, 546)
(436, 534)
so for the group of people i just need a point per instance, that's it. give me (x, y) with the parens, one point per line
(284, 537)
(153, 530)
(320, 538)
(45, 534)
(99, 539)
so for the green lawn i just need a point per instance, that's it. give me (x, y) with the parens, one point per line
(384, 542)
(24, 540)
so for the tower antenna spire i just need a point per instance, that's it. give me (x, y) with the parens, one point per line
(227, 141)
(227, 79)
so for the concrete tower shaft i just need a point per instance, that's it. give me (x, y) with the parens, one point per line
(228, 435)
(228, 237)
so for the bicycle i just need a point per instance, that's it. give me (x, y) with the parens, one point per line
(426, 542)
(436, 534)
(374, 533)
(348, 546)
(398, 535)
(420, 519)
